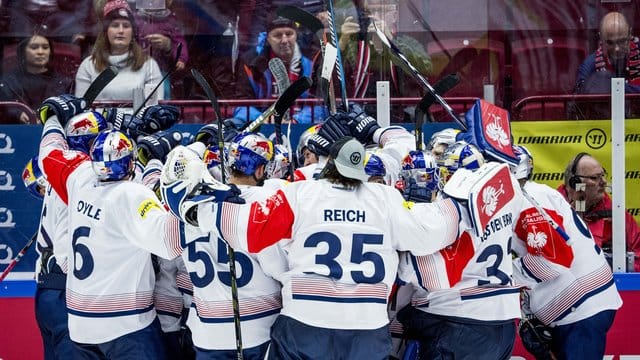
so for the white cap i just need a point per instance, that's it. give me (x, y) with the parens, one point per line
(348, 156)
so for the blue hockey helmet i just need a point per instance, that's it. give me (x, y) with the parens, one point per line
(247, 151)
(113, 155)
(373, 164)
(461, 155)
(34, 179)
(423, 168)
(83, 128)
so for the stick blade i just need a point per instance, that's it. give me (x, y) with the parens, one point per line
(99, 84)
(204, 84)
(300, 16)
(290, 95)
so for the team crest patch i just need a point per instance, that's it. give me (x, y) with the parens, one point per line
(146, 206)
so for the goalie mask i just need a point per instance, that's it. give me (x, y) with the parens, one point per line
(113, 155)
(248, 151)
(524, 169)
(441, 140)
(423, 168)
(83, 128)
(460, 155)
(279, 168)
(34, 179)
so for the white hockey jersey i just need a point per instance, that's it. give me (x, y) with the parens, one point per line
(471, 277)
(114, 226)
(53, 233)
(339, 246)
(569, 281)
(211, 315)
(395, 143)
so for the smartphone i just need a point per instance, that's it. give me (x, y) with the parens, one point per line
(151, 4)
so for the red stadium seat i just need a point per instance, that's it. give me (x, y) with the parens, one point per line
(546, 65)
(478, 62)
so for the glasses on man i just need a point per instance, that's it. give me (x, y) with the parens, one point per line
(597, 177)
(617, 42)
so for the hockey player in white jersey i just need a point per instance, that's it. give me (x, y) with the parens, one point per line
(465, 304)
(54, 243)
(571, 287)
(340, 250)
(114, 224)
(211, 319)
(51, 269)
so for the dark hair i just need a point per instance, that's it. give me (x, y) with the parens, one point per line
(330, 172)
(21, 51)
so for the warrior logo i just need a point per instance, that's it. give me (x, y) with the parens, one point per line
(536, 239)
(490, 197)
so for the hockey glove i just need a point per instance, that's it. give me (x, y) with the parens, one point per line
(536, 338)
(64, 107)
(157, 146)
(362, 126)
(208, 134)
(158, 117)
(335, 127)
(319, 145)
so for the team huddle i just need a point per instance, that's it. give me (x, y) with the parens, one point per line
(369, 248)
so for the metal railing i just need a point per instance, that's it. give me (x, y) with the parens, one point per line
(571, 107)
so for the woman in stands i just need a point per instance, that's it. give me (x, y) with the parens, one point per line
(32, 80)
(116, 45)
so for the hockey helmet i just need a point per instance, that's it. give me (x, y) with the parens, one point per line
(524, 169)
(33, 178)
(247, 151)
(113, 155)
(83, 128)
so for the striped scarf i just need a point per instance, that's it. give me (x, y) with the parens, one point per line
(633, 63)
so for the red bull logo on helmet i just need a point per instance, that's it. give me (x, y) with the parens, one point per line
(123, 146)
(211, 157)
(407, 163)
(88, 124)
(266, 148)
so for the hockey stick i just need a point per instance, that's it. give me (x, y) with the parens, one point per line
(333, 32)
(284, 102)
(232, 257)
(171, 70)
(441, 87)
(279, 72)
(282, 79)
(15, 261)
(99, 84)
(404, 63)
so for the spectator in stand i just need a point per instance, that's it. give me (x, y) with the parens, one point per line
(255, 80)
(357, 43)
(33, 80)
(116, 45)
(594, 204)
(160, 32)
(63, 20)
(618, 55)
